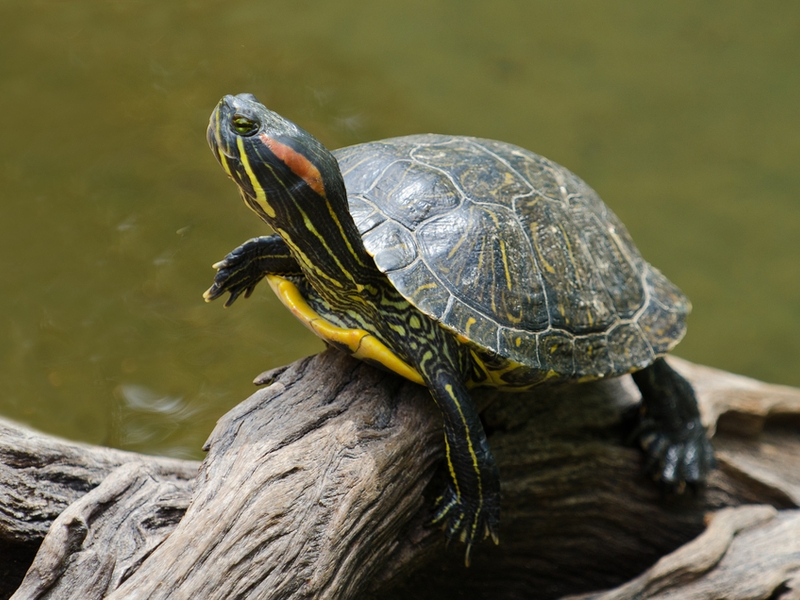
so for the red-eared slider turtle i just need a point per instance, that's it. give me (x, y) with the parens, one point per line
(459, 262)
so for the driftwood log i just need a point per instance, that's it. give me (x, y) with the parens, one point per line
(320, 486)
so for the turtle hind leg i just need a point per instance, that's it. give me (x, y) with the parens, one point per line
(670, 430)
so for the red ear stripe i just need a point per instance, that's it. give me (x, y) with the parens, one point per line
(298, 163)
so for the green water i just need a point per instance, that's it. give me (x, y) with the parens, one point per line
(683, 115)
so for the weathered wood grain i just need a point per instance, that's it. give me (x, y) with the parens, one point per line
(40, 476)
(320, 486)
(747, 552)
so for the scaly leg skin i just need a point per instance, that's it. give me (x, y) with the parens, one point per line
(469, 508)
(244, 267)
(670, 431)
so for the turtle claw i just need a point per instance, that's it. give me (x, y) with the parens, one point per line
(467, 520)
(238, 273)
(492, 533)
(676, 459)
(218, 289)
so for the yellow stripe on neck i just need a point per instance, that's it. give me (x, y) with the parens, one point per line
(261, 197)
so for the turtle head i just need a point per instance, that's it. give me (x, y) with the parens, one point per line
(293, 183)
(278, 166)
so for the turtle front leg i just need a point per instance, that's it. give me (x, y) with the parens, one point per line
(670, 431)
(241, 270)
(469, 508)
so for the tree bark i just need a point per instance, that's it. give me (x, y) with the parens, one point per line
(320, 485)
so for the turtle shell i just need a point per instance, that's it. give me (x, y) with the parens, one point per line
(511, 251)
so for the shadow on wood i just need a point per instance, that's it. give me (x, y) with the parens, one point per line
(320, 486)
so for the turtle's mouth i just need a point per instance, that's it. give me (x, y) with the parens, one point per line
(221, 144)
(214, 133)
(211, 138)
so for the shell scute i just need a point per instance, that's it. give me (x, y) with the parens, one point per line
(628, 348)
(463, 255)
(360, 168)
(464, 319)
(544, 176)
(480, 175)
(577, 299)
(663, 320)
(592, 356)
(557, 353)
(412, 193)
(422, 290)
(616, 261)
(365, 214)
(520, 346)
(391, 245)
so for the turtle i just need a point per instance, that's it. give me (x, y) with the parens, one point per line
(458, 262)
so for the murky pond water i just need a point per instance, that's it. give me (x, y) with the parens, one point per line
(684, 116)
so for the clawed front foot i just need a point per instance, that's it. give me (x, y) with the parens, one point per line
(235, 274)
(240, 271)
(468, 520)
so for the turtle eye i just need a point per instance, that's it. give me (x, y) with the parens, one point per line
(243, 125)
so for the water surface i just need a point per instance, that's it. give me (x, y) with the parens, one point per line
(684, 117)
